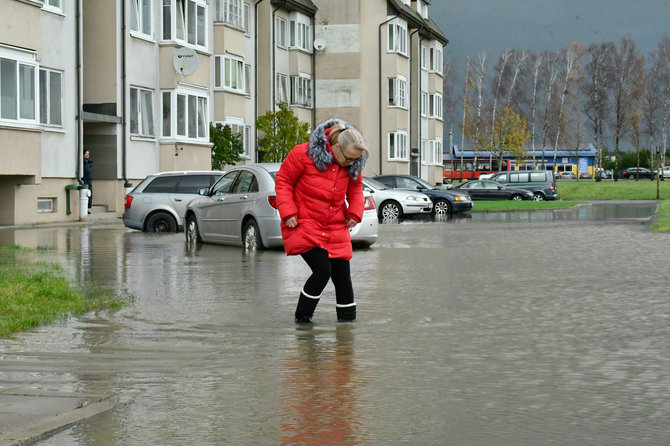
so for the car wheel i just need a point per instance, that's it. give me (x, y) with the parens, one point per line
(631, 177)
(517, 197)
(390, 210)
(161, 222)
(251, 236)
(537, 196)
(442, 207)
(192, 231)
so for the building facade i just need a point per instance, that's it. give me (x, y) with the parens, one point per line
(138, 83)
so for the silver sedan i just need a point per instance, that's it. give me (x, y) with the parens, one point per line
(394, 203)
(240, 209)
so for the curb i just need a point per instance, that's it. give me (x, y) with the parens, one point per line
(48, 426)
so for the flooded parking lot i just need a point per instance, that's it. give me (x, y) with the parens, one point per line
(487, 329)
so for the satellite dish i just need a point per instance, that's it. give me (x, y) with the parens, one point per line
(185, 61)
(319, 44)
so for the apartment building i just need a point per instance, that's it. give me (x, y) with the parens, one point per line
(138, 82)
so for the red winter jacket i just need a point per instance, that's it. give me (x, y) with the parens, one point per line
(317, 197)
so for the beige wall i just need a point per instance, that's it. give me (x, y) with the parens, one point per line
(20, 24)
(25, 209)
(99, 52)
(228, 104)
(21, 152)
(181, 156)
(169, 77)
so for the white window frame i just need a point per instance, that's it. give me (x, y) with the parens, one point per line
(423, 145)
(301, 90)
(230, 73)
(424, 104)
(237, 125)
(424, 57)
(281, 95)
(230, 12)
(299, 32)
(397, 144)
(46, 205)
(435, 107)
(182, 25)
(194, 101)
(247, 14)
(142, 114)
(53, 6)
(397, 92)
(397, 37)
(435, 58)
(436, 152)
(23, 60)
(281, 34)
(139, 22)
(46, 101)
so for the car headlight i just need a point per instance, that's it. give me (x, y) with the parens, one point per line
(459, 198)
(411, 198)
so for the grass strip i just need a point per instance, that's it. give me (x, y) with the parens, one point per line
(509, 205)
(39, 293)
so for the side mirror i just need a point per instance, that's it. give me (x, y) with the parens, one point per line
(203, 191)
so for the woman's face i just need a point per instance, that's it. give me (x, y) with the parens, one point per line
(345, 157)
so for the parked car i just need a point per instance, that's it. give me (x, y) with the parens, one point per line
(158, 203)
(240, 209)
(540, 182)
(566, 176)
(490, 190)
(585, 176)
(638, 172)
(444, 201)
(665, 172)
(394, 203)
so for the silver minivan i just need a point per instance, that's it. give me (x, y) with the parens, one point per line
(540, 182)
(158, 203)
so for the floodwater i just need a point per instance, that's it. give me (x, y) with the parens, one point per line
(497, 329)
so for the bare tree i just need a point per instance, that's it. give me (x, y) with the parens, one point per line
(536, 69)
(626, 91)
(466, 105)
(548, 76)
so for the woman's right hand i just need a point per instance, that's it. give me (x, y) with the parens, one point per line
(292, 222)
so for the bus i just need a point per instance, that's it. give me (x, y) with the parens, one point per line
(452, 170)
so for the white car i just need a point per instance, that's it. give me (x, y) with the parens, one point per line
(394, 203)
(240, 209)
(665, 172)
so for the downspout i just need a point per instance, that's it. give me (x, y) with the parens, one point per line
(409, 81)
(256, 72)
(273, 72)
(313, 75)
(381, 146)
(124, 81)
(79, 146)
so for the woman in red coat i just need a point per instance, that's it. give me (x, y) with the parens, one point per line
(320, 196)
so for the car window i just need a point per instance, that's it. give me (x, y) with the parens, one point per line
(387, 181)
(406, 183)
(500, 178)
(538, 177)
(246, 182)
(489, 185)
(376, 184)
(225, 183)
(191, 184)
(162, 185)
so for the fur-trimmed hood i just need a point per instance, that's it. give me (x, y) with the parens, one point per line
(318, 151)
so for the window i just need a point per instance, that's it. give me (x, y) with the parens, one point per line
(282, 88)
(435, 106)
(46, 205)
(424, 57)
(300, 35)
(225, 183)
(281, 32)
(229, 72)
(141, 112)
(18, 86)
(424, 103)
(398, 145)
(301, 90)
(51, 98)
(185, 21)
(191, 184)
(247, 9)
(230, 12)
(53, 5)
(398, 91)
(140, 16)
(422, 9)
(238, 126)
(397, 37)
(436, 60)
(246, 182)
(189, 119)
(436, 155)
(423, 150)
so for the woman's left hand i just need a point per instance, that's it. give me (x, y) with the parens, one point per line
(350, 223)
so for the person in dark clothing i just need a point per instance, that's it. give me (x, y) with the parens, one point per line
(88, 163)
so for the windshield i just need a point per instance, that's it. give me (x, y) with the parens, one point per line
(425, 183)
(375, 184)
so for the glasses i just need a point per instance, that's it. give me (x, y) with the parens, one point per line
(346, 158)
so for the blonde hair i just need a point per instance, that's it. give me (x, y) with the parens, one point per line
(348, 138)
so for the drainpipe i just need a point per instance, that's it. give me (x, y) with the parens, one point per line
(313, 75)
(256, 72)
(79, 149)
(409, 81)
(124, 84)
(381, 145)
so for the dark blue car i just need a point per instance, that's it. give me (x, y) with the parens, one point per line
(444, 201)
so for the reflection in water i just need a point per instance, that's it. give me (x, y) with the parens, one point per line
(319, 389)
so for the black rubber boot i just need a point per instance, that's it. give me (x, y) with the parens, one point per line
(346, 314)
(305, 309)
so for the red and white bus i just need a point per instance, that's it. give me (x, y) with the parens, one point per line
(453, 171)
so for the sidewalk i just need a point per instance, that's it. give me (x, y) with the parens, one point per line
(28, 415)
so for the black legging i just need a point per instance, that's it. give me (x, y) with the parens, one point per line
(324, 268)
